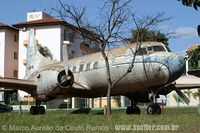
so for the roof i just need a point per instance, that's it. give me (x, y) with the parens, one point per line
(4, 26)
(43, 22)
(54, 21)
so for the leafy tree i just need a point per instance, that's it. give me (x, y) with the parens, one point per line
(188, 92)
(190, 3)
(45, 51)
(197, 95)
(177, 99)
(148, 35)
(194, 57)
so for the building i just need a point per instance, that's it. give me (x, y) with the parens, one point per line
(172, 99)
(51, 32)
(8, 52)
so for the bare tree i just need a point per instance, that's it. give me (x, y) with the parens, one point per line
(110, 30)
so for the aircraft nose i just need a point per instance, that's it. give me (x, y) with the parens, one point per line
(176, 66)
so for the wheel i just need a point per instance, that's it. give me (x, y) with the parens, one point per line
(154, 109)
(150, 110)
(41, 110)
(157, 110)
(34, 110)
(133, 110)
(129, 110)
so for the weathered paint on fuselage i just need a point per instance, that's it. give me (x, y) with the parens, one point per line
(90, 80)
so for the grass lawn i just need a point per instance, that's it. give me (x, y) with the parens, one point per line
(185, 120)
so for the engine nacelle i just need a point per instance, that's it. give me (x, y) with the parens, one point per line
(65, 80)
(51, 82)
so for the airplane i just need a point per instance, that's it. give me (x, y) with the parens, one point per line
(155, 70)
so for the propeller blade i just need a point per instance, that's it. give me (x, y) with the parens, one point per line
(65, 56)
(182, 96)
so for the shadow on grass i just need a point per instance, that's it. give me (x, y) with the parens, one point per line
(81, 111)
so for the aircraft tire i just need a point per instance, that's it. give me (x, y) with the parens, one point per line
(133, 110)
(153, 109)
(41, 110)
(34, 110)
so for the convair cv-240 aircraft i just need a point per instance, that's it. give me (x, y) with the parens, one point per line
(155, 68)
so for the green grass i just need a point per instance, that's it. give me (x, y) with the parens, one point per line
(187, 120)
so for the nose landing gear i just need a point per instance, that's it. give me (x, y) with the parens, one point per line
(154, 108)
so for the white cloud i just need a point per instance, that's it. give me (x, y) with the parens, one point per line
(179, 32)
(185, 32)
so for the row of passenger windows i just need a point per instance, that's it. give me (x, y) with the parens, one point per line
(85, 67)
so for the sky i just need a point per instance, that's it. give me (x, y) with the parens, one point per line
(183, 23)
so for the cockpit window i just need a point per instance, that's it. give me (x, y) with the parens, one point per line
(142, 51)
(158, 49)
(149, 48)
(168, 49)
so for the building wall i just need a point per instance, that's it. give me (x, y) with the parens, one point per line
(49, 36)
(2, 52)
(11, 47)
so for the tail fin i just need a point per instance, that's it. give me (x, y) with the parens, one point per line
(34, 59)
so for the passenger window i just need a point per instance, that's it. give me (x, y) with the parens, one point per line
(88, 67)
(81, 68)
(95, 65)
(168, 49)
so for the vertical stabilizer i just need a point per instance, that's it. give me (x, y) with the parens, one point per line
(34, 59)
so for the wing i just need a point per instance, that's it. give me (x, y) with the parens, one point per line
(28, 86)
(187, 82)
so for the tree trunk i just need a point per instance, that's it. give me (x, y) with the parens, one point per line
(109, 82)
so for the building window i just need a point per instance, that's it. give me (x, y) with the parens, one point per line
(95, 65)
(65, 35)
(16, 38)
(15, 55)
(68, 36)
(73, 52)
(15, 73)
(71, 37)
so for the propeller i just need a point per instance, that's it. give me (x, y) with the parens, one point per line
(65, 56)
(65, 77)
(182, 96)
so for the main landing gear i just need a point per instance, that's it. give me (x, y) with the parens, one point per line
(133, 109)
(36, 110)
